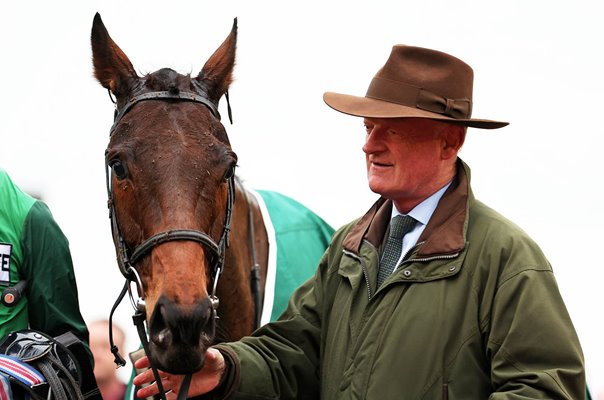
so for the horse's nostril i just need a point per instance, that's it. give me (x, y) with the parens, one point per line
(158, 330)
(164, 338)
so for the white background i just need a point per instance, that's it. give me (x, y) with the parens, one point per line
(538, 65)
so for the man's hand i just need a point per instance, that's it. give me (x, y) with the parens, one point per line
(203, 381)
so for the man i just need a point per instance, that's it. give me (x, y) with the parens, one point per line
(452, 301)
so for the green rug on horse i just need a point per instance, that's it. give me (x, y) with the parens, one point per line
(297, 239)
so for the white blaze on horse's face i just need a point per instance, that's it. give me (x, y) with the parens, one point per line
(169, 156)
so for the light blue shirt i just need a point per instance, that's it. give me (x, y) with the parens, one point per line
(422, 214)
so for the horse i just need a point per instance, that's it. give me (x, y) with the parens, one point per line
(180, 216)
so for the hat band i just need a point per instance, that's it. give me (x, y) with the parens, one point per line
(412, 96)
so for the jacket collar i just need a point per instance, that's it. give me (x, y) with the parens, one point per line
(445, 232)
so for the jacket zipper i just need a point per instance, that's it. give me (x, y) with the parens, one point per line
(364, 268)
(442, 257)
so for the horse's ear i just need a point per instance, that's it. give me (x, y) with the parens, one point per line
(217, 73)
(112, 68)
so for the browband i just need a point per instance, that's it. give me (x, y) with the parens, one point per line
(163, 95)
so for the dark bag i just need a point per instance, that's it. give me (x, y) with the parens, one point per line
(63, 362)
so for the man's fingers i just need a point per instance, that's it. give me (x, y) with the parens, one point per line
(147, 391)
(151, 390)
(142, 362)
(144, 377)
(169, 384)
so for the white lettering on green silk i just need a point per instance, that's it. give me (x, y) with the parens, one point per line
(5, 253)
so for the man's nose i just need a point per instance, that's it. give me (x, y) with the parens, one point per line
(373, 142)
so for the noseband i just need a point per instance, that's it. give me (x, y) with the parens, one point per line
(127, 259)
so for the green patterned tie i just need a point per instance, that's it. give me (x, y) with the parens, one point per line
(399, 227)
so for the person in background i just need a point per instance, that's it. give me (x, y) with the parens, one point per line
(110, 384)
(430, 294)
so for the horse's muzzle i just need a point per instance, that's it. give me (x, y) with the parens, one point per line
(180, 335)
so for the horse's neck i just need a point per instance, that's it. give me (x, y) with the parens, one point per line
(248, 247)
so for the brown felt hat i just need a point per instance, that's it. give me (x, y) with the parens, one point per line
(417, 83)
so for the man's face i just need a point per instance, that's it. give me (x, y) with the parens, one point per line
(404, 159)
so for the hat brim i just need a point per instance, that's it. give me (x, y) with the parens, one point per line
(373, 108)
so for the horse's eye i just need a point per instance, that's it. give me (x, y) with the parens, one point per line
(119, 169)
(230, 172)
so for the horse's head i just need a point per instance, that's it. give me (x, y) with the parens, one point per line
(171, 167)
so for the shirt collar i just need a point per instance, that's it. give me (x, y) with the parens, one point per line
(424, 210)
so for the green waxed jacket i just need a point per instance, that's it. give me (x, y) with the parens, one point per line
(33, 248)
(473, 312)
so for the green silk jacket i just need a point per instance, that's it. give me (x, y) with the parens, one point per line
(33, 248)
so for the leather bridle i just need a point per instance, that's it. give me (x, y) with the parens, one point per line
(127, 259)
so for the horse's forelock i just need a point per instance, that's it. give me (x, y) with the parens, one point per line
(167, 79)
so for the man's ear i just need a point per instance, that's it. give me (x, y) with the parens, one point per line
(452, 139)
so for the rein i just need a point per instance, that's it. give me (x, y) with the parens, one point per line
(127, 259)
